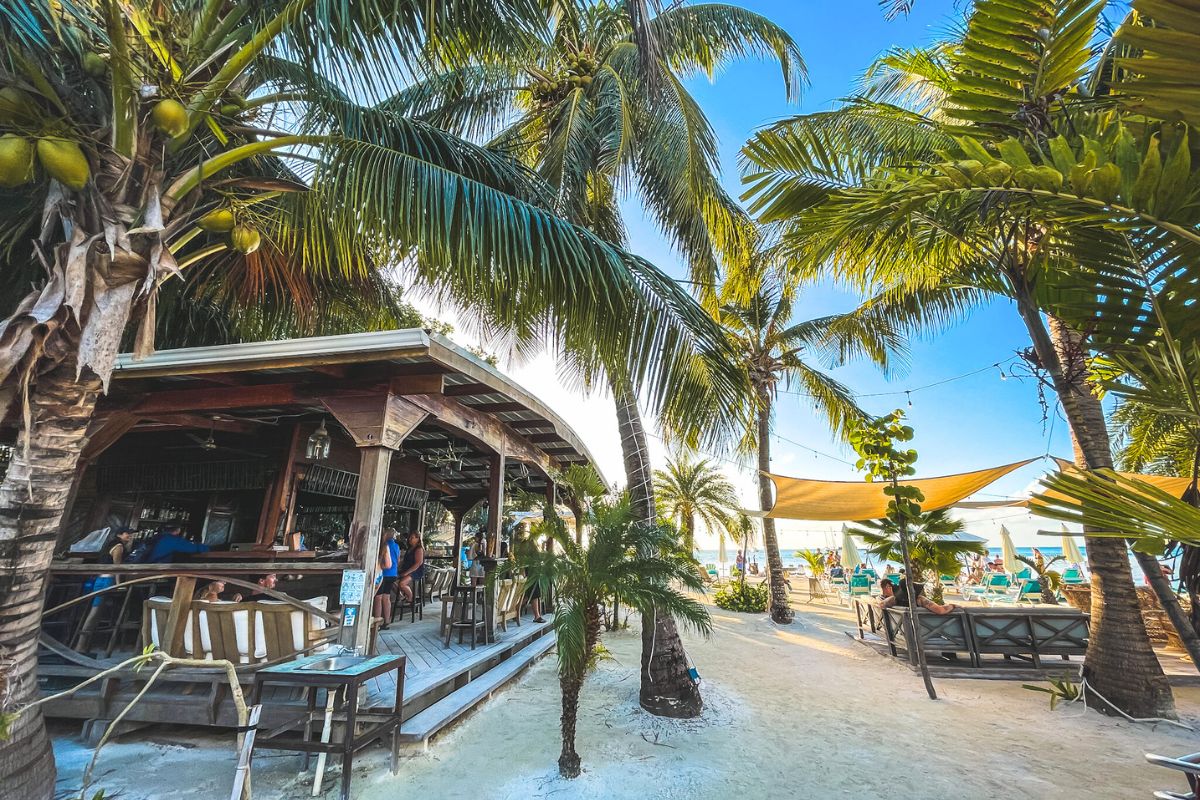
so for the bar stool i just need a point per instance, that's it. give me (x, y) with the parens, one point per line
(416, 606)
(468, 600)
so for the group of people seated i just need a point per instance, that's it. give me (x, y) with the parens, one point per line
(897, 595)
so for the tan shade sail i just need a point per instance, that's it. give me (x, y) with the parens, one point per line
(1169, 484)
(798, 498)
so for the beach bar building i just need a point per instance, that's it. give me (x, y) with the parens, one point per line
(337, 438)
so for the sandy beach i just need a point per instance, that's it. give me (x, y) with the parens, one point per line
(803, 711)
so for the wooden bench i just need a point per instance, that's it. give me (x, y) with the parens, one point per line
(1023, 632)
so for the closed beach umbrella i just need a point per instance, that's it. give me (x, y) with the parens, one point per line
(1070, 548)
(721, 557)
(1008, 552)
(850, 554)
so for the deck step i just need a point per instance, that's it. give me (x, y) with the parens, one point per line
(421, 727)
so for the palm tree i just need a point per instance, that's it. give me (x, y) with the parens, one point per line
(688, 491)
(777, 351)
(624, 558)
(579, 487)
(146, 143)
(959, 177)
(930, 550)
(599, 110)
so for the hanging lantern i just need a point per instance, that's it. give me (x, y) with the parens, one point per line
(318, 443)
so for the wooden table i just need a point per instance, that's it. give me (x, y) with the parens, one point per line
(347, 681)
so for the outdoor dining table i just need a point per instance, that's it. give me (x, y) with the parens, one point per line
(346, 681)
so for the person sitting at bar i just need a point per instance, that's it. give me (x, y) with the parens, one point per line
(268, 581)
(412, 568)
(169, 542)
(211, 592)
(475, 555)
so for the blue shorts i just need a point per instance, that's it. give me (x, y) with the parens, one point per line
(96, 584)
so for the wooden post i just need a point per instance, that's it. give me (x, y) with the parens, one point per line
(459, 515)
(177, 617)
(368, 526)
(495, 503)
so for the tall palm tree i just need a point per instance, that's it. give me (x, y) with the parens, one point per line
(624, 558)
(690, 491)
(930, 550)
(600, 111)
(579, 487)
(775, 350)
(1015, 210)
(146, 143)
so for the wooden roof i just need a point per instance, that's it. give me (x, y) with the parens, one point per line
(472, 405)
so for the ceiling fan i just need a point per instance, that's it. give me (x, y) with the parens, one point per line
(210, 444)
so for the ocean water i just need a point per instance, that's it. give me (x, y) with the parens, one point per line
(792, 560)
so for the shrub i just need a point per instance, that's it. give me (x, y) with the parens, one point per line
(743, 597)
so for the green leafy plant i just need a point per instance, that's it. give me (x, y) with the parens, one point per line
(814, 560)
(1059, 689)
(743, 597)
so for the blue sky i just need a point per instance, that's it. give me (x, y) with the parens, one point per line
(972, 423)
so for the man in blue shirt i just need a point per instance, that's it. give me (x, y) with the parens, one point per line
(169, 541)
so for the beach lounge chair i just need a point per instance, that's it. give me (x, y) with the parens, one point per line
(1023, 574)
(860, 586)
(995, 584)
(1073, 576)
(949, 584)
(1028, 591)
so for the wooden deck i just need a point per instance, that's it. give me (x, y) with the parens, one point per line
(440, 683)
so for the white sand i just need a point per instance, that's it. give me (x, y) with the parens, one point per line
(798, 712)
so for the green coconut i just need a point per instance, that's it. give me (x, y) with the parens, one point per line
(170, 117)
(245, 239)
(65, 161)
(219, 220)
(16, 160)
(16, 106)
(94, 64)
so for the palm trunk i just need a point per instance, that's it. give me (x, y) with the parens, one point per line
(33, 496)
(689, 535)
(667, 689)
(1120, 664)
(571, 686)
(568, 760)
(781, 611)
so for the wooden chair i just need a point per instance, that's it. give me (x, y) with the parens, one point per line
(416, 607)
(155, 612)
(226, 631)
(510, 596)
(282, 630)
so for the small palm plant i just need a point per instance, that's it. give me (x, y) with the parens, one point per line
(932, 549)
(632, 561)
(1050, 580)
(814, 560)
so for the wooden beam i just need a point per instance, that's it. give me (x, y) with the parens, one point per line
(495, 496)
(199, 421)
(418, 384)
(495, 408)
(281, 494)
(175, 401)
(177, 616)
(382, 420)
(486, 431)
(469, 389)
(367, 530)
(104, 433)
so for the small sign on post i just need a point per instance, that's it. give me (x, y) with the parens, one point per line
(350, 597)
(353, 582)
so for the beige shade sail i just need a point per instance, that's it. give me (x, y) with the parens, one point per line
(1171, 485)
(799, 498)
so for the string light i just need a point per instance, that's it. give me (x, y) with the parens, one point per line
(909, 392)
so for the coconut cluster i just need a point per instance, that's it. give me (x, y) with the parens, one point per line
(577, 70)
